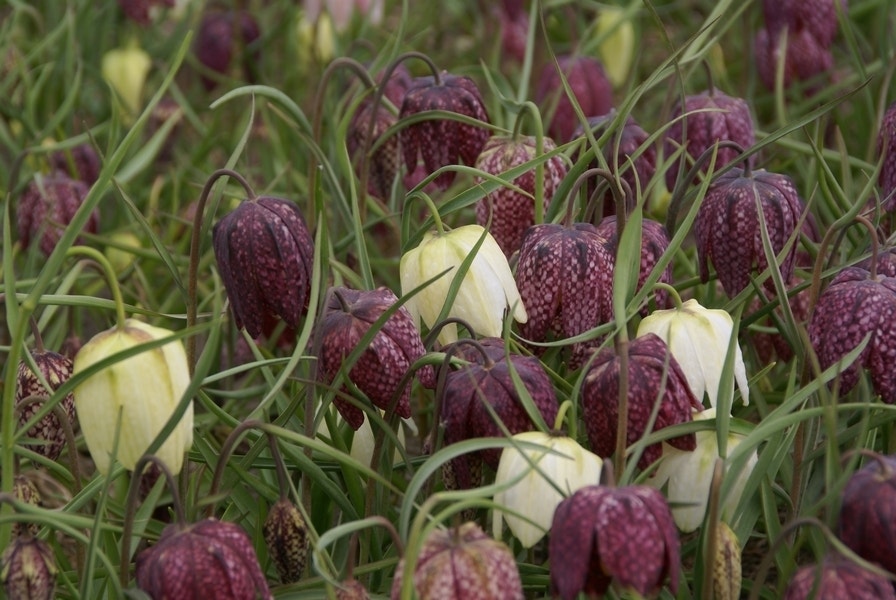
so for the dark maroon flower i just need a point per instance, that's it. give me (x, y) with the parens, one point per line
(625, 153)
(398, 84)
(510, 211)
(28, 569)
(139, 10)
(462, 563)
(485, 386)
(650, 364)
(209, 559)
(838, 578)
(224, 37)
(441, 142)
(47, 207)
(886, 262)
(816, 17)
(265, 253)
(728, 229)
(603, 533)
(513, 22)
(867, 517)
(385, 159)
(853, 306)
(654, 243)
(589, 86)
(707, 119)
(886, 148)
(286, 537)
(49, 432)
(386, 359)
(80, 162)
(804, 57)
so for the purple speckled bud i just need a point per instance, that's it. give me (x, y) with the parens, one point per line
(838, 578)
(565, 279)
(867, 515)
(47, 207)
(853, 306)
(510, 211)
(81, 162)
(286, 536)
(442, 142)
(589, 86)
(886, 147)
(265, 252)
(386, 359)
(384, 160)
(602, 533)
(24, 490)
(139, 11)
(462, 563)
(224, 37)
(649, 365)
(706, 119)
(49, 432)
(209, 559)
(728, 229)
(28, 569)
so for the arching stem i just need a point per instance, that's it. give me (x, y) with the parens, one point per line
(529, 108)
(225, 454)
(98, 257)
(676, 297)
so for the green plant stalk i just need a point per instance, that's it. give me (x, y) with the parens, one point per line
(528, 107)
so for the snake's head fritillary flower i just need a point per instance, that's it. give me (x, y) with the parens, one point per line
(462, 563)
(886, 148)
(867, 516)
(620, 42)
(46, 208)
(208, 559)
(699, 338)
(650, 365)
(853, 306)
(28, 569)
(817, 17)
(486, 290)
(225, 37)
(385, 159)
(441, 142)
(727, 577)
(265, 252)
(511, 212)
(588, 84)
(125, 69)
(383, 365)
(286, 536)
(560, 463)
(601, 534)
(729, 231)
(56, 370)
(141, 11)
(24, 490)
(80, 162)
(838, 578)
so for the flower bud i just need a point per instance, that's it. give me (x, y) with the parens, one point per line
(47, 207)
(24, 490)
(56, 370)
(886, 149)
(838, 578)
(225, 37)
(385, 160)
(867, 517)
(130, 401)
(28, 570)
(125, 69)
(286, 536)
(726, 571)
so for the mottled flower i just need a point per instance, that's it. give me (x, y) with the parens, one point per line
(513, 23)
(225, 37)
(127, 403)
(699, 338)
(24, 490)
(650, 364)
(589, 87)
(125, 69)
(727, 567)
(485, 386)
(140, 11)
(838, 578)
(702, 121)
(601, 534)
(439, 141)
(265, 252)
(385, 159)
(208, 559)
(385, 360)
(852, 307)
(80, 162)
(28, 569)
(687, 476)
(543, 477)
(49, 432)
(867, 517)
(509, 211)
(886, 149)
(729, 231)
(803, 56)
(816, 17)
(565, 278)
(486, 290)
(286, 537)
(462, 563)
(46, 208)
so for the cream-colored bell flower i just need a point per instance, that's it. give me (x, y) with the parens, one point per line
(125, 69)
(617, 50)
(486, 290)
(689, 477)
(568, 465)
(143, 389)
(698, 338)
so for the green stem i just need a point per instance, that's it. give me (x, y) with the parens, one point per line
(433, 210)
(529, 108)
(561, 415)
(622, 421)
(712, 536)
(226, 451)
(676, 297)
(98, 257)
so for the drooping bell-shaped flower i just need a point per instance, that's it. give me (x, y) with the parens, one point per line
(867, 522)
(385, 361)
(688, 476)
(650, 365)
(620, 42)
(28, 569)
(702, 121)
(47, 206)
(56, 370)
(441, 142)
(486, 290)
(80, 162)
(699, 339)
(24, 490)
(225, 37)
(384, 160)
(265, 254)
(817, 17)
(208, 559)
(140, 11)
(602, 534)
(462, 563)
(838, 578)
(854, 306)
(886, 149)
(543, 478)
(588, 84)
(286, 536)
(507, 212)
(125, 69)
(729, 231)
(126, 404)
(727, 567)
(565, 278)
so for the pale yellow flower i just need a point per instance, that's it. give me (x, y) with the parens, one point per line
(617, 50)
(125, 69)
